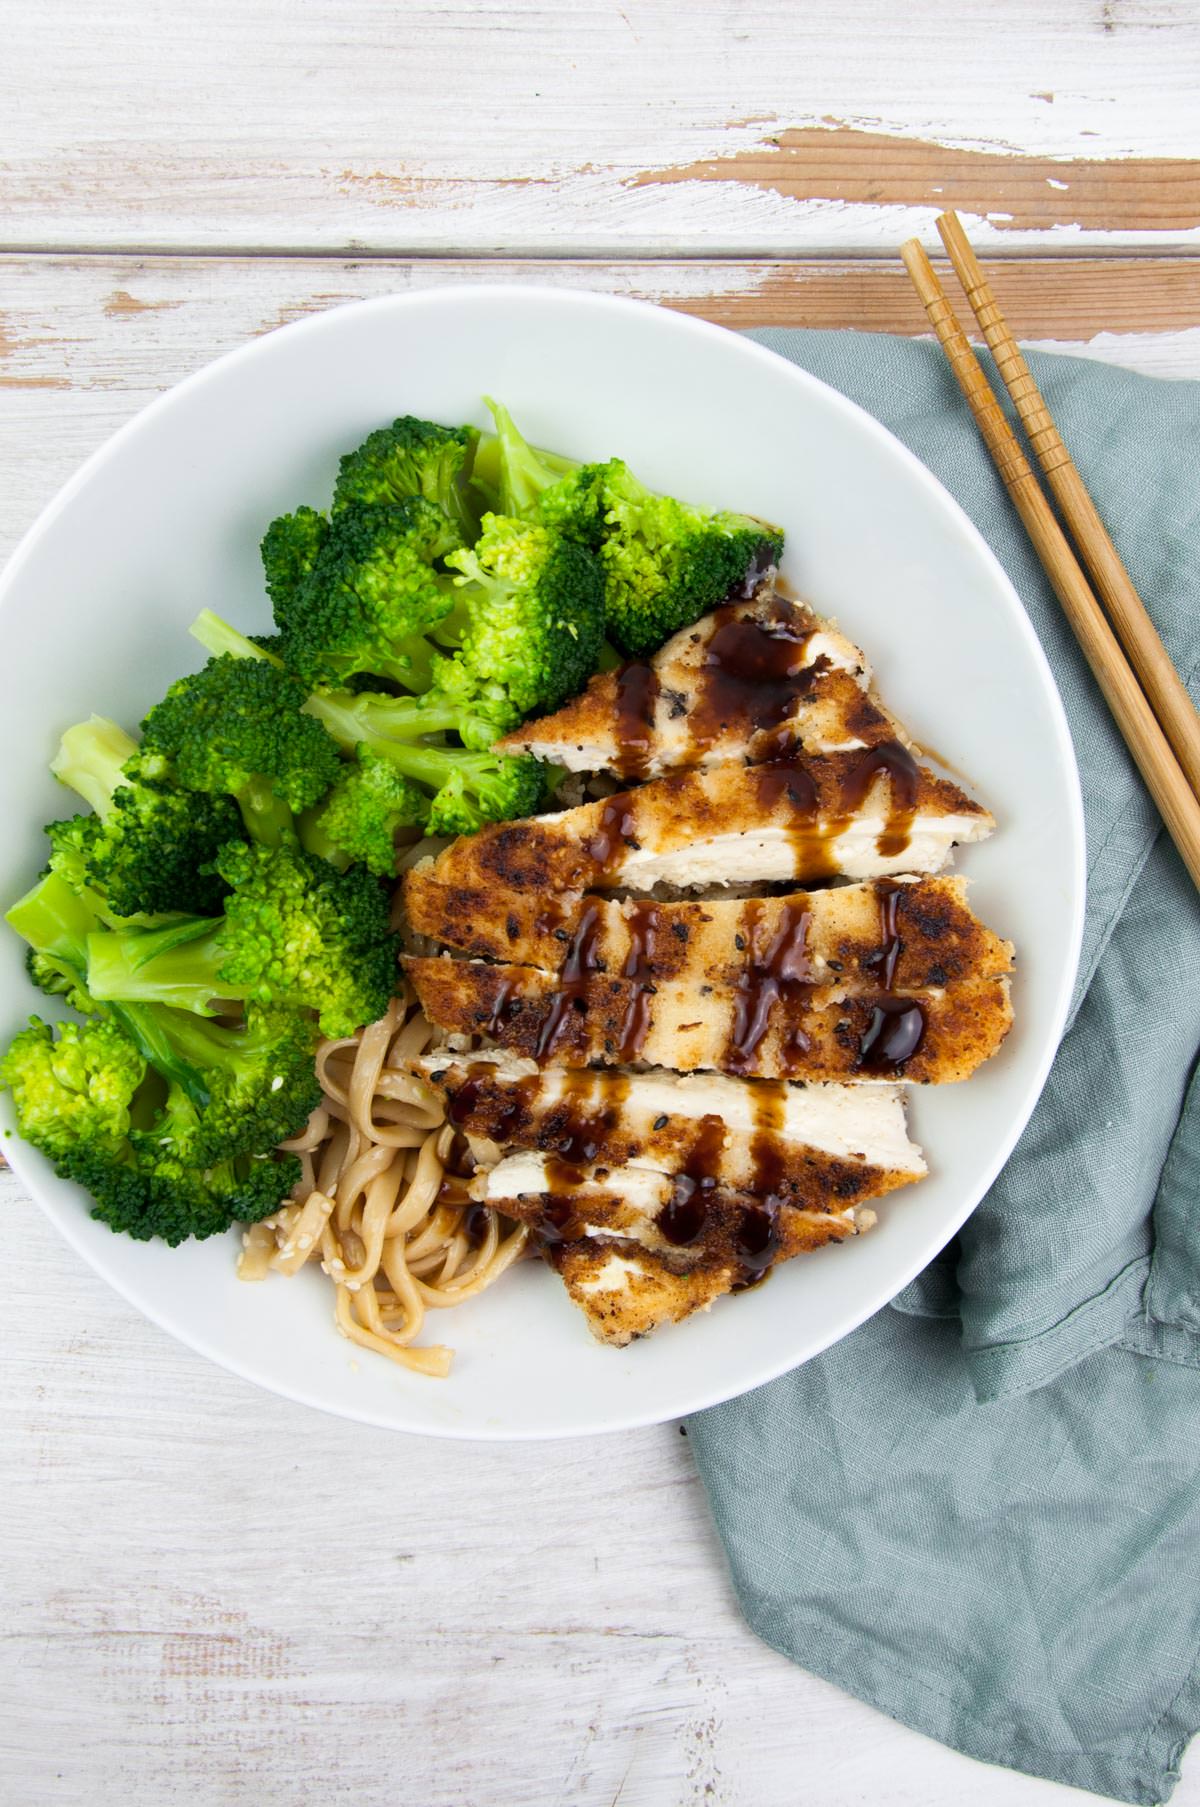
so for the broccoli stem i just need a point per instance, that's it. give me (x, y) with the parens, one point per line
(382, 722)
(520, 471)
(55, 920)
(178, 966)
(58, 923)
(218, 637)
(90, 758)
(268, 819)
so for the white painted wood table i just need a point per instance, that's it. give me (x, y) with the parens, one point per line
(210, 1595)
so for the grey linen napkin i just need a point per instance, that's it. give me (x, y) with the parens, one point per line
(981, 1511)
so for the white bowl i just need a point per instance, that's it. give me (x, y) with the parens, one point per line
(166, 519)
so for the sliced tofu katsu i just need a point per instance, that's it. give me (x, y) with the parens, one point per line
(916, 931)
(637, 1248)
(769, 1024)
(808, 1146)
(660, 1212)
(862, 814)
(750, 681)
(625, 1291)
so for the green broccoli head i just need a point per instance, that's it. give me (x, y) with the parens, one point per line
(374, 599)
(466, 785)
(357, 822)
(294, 933)
(73, 1089)
(535, 612)
(665, 562)
(147, 844)
(485, 787)
(412, 458)
(57, 980)
(150, 1191)
(289, 551)
(249, 1084)
(238, 729)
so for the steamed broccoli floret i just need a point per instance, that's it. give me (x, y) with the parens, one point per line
(294, 933)
(85, 1099)
(357, 823)
(374, 599)
(147, 846)
(665, 562)
(251, 1084)
(535, 613)
(368, 716)
(289, 550)
(254, 1081)
(469, 784)
(412, 458)
(151, 1192)
(238, 729)
(74, 1089)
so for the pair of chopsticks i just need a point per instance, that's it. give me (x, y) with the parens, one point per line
(1143, 690)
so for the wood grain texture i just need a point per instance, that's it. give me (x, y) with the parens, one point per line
(1013, 192)
(212, 1597)
(523, 126)
(57, 311)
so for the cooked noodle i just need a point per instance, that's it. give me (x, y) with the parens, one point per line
(376, 1205)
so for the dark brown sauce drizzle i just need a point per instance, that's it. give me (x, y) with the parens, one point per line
(756, 1238)
(897, 1026)
(644, 920)
(510, 1108)
(753, 675)
(786, 782)
(882, 961)
(560, 1220)
(586, 1115)
(893, 1035)
(475, 1224)
(637, 697)
(613, 834)
(777, 970)
(904, 777)
(683, 1218)
(581, 961)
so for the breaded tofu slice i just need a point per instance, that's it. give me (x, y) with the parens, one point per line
(657, 1210)
(766, 1024)
(806, 1145)
(745, 682)
(862, 814)
(847, 930)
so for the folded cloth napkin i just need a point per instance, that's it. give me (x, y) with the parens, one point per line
(981, 1511)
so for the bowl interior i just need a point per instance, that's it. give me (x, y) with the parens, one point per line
(166, 519)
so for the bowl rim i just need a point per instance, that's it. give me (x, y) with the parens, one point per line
(31, 1169)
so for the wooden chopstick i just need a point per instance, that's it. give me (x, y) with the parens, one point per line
(1159, 679)
(1163, 775)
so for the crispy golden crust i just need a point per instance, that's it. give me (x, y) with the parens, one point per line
(941, 941)
(726, 1028)
(525, 1113)
(626, 1290)
(685, 716)
(802, 802)
(646, 1293)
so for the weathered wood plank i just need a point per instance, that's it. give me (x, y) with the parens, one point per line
(529, 127)
(212, 1596)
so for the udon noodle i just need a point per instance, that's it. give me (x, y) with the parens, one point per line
(376, 1204)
